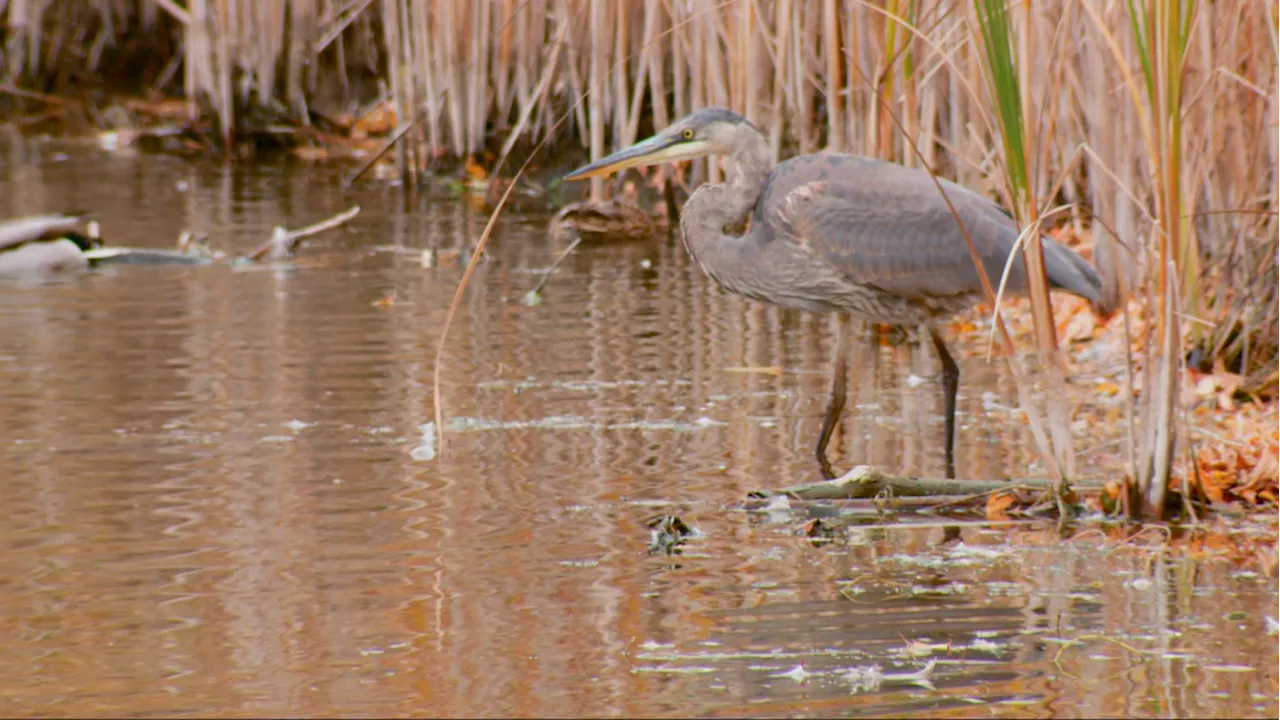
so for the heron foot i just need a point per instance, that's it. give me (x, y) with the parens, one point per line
(824, 466)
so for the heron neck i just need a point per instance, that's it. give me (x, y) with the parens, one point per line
(714, 207)
(730, 203)
(751, 164)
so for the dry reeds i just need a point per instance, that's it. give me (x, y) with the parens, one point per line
(1153, 121)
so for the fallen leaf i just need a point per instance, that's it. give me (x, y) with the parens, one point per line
(1108, 388)
(998, 503)
(380, 120)
(474, 170)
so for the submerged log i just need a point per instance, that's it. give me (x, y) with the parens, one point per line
(865, 482)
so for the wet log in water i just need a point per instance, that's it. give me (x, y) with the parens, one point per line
(865, 482)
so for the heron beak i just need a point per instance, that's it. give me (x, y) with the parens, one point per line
(657, 149)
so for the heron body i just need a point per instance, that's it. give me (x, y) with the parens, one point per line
(840, 233)
(43, 243)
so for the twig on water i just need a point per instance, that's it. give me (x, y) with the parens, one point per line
(10, 89)
(1080, 640)
(533, 294)
(471, 267)
(457, 300)
(395, 137)
(283, 241)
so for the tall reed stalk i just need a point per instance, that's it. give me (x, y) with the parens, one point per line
(1009, 65)
(1162, 30)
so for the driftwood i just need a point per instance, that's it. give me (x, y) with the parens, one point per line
(866, 482)
(284, 241)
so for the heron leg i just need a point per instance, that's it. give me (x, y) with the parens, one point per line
(950, 384)
(835, 401)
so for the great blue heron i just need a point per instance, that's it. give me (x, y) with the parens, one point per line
(844, 234)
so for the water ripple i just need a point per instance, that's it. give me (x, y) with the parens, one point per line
(218, 503)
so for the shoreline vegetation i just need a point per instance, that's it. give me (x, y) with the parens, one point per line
(1147, 126)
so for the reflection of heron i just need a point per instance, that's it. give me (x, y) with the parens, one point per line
(845, 234)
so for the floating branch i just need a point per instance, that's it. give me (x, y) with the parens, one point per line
(284, 241)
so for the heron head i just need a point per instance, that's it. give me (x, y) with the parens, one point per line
(712, 131)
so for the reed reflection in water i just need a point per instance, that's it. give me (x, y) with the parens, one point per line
(213, 506)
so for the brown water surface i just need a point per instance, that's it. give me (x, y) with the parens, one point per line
(221, 499)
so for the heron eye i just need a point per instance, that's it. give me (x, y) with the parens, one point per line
(688, 133)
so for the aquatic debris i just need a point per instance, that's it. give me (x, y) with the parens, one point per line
(921, 649)
(978, 552)
(677, 670)
(763, 369)
(797, 673)
(426, 450)
(193, 248)
(577, 422)
(871, 677)
(866, 481)
(984, 645)
(436, 257)
(284, 241)
(592, 221)
(1080, 640)
(952, 556)
(819, 530)
(551, 422)
(779, 509)
(533, 298)
(522, 385)
(1020, 502)
(1140, 584)
(666, 534)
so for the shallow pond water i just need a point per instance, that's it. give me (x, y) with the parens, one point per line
(224, 498)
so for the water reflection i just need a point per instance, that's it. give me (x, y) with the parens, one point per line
(213, 506)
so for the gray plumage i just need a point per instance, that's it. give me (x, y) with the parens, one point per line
(841, 233)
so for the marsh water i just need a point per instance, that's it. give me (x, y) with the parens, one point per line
(224, 494)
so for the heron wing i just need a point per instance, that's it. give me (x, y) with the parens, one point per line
(887, 226)
(37, 227)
